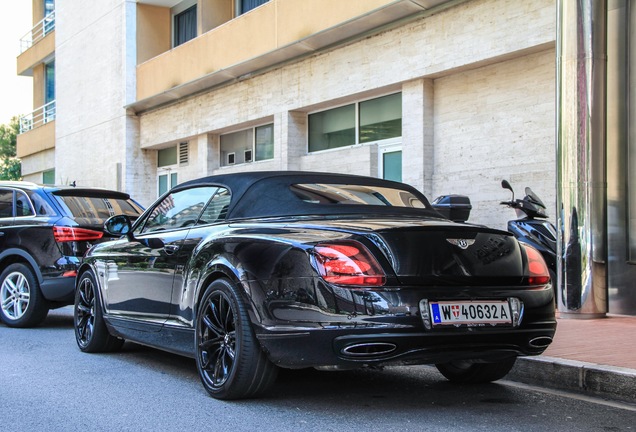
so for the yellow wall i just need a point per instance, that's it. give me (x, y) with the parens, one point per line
(36, 140)
(38, 11)
(38, 85)
(153, 31)
(213, 13)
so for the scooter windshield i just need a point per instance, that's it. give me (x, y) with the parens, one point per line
(533, 198)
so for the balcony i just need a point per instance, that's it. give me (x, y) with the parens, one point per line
(270, 35)
(37, 45)
(39, 116)
(37, 131)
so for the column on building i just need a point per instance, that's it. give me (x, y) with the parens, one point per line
(290, 141)
(417, 134)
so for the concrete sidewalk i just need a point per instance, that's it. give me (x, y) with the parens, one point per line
(596, 357)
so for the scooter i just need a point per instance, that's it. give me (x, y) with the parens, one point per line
(532, 227)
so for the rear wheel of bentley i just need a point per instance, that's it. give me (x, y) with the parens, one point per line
(465, 371)
(229, 358)
(91, 333)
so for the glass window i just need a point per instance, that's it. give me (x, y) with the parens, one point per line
(248, 5)
(97, 207)
(179, 209)
(333, 128)
(6, 203)
(48, 177)
(264, 142)
(317, 193)
(392, 165)
(167, 157)
(49, 20)
(372, 120)
(166, 182)
(41, 206)
(49, 72)
(216, 210)
(22, 205)
(185, 25)
(381, 118)
(240, 147)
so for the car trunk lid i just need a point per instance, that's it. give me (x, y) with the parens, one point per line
(455, 254)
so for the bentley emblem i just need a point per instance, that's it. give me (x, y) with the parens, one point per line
(461, 243)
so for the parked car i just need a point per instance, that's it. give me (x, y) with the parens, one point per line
(248, 273)
(44, 231)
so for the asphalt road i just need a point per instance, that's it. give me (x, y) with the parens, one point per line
(47, 384)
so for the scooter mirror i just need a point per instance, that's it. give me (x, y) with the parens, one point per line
(506, 185)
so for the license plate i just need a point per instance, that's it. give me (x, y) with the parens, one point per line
(469, 313)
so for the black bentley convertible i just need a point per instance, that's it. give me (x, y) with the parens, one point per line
(253, 272)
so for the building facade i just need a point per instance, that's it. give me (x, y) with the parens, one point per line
(450, 96)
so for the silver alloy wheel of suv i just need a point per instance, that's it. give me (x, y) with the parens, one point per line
(22, 303)
(15, 293)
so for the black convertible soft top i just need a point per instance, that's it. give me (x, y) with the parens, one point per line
(259, 194)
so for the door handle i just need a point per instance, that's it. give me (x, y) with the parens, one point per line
(170, 249)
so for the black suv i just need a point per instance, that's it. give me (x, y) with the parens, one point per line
(44, 232)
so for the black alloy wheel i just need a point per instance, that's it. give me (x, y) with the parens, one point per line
(22, 303)
(465, 371)
(91, 333)
(229, 358)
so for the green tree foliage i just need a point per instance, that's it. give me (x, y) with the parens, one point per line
(10, 167)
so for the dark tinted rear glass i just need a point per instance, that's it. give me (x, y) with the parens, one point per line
(99, 208)
(369, 195)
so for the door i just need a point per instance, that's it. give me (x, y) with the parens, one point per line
(390, 162)
(141, 269)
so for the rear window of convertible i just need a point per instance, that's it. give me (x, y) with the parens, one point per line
(333, 194)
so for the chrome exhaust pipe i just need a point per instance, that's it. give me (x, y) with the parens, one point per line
(369, 349)
(540, 342)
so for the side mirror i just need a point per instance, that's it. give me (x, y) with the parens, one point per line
(506, 185)
(117, 226)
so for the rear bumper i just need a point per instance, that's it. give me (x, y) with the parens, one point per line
(355, 347)
(59, 289)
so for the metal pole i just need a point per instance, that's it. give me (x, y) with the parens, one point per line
(581, 158)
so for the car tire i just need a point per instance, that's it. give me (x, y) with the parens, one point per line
(91, 333)
(470, 372)
(22, 302)
(229, 358)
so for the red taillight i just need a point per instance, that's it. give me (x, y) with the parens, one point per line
(538, 273)
(68, 234)
(348, 263)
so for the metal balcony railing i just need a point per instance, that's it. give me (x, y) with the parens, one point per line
(41, 29)
(40, 116)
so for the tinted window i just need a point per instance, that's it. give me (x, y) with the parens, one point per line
(41, 206)
(22, 205)
(6, 203)
(329, 194)
(216, 210)
(179, 209)
(101, 208)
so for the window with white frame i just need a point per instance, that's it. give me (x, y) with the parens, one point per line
(249, 145)
(358, 123)
(167, 170)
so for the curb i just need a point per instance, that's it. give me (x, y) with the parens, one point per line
(607, 382)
